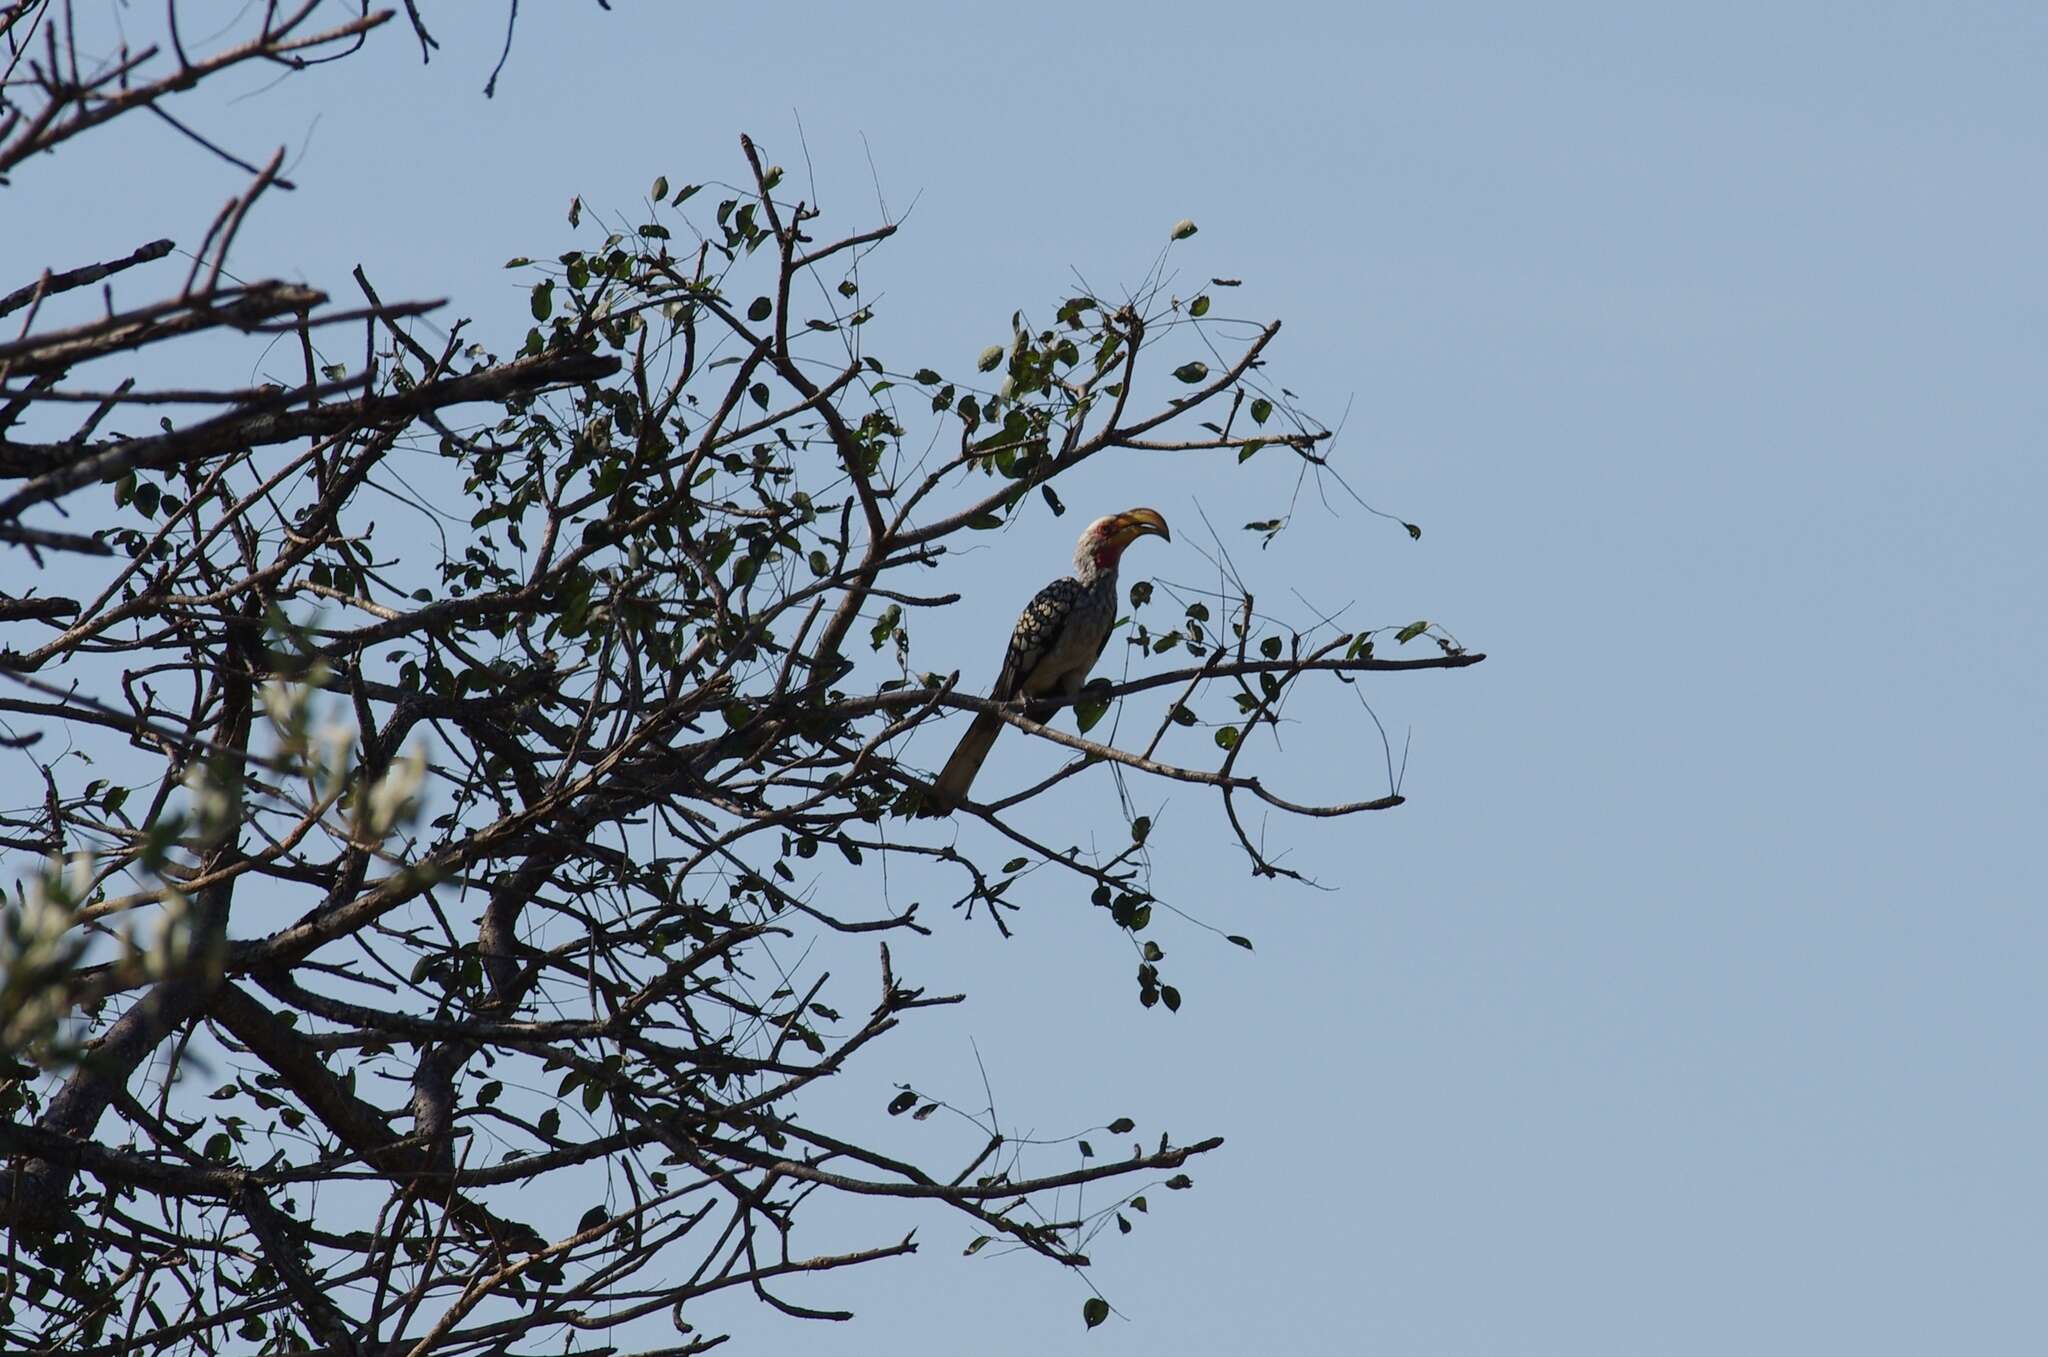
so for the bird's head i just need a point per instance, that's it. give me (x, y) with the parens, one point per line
(1104, 541)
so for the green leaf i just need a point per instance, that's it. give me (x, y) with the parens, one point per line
(1184, 228)
(1180, 1182)
(885, 625)
(1270, 647)
(1140, 827)
(902, 1103)
(990, 356)
(490, 1092)
(1094, 1310)
(1172, 998)
(1052, 500)
(1411, 631)
(544, 300)
(550, 1122)
(979, 1241)
(1192, 372)
(1122, 1126)
(760, 309)
(660, 189)
(1226, 737)
(1199, 307)
(1414, 530)
(1240, 940)
(1250, 448)
(518, 261)
(759, 391)
(925, 377)
(1262, 410)
(1088, 711)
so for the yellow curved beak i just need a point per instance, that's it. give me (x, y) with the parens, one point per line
(1135, 523)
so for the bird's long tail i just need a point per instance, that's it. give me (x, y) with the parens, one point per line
(958, 774)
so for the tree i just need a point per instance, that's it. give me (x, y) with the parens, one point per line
(532, 807)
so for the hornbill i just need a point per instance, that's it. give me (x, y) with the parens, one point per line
(1056, 642)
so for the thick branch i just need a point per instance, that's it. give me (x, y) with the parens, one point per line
(239, 430)
(50, 284)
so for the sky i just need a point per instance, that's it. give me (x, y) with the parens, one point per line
(1694, 1002)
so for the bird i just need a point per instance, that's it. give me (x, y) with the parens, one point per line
(1056, 641)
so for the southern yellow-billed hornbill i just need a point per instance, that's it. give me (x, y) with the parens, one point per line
(1056, 642)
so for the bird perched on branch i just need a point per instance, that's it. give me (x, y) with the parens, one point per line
(1056, 642)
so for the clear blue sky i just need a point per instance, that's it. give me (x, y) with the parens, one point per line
(1695, 1002)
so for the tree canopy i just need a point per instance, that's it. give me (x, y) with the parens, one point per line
(526, 724)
